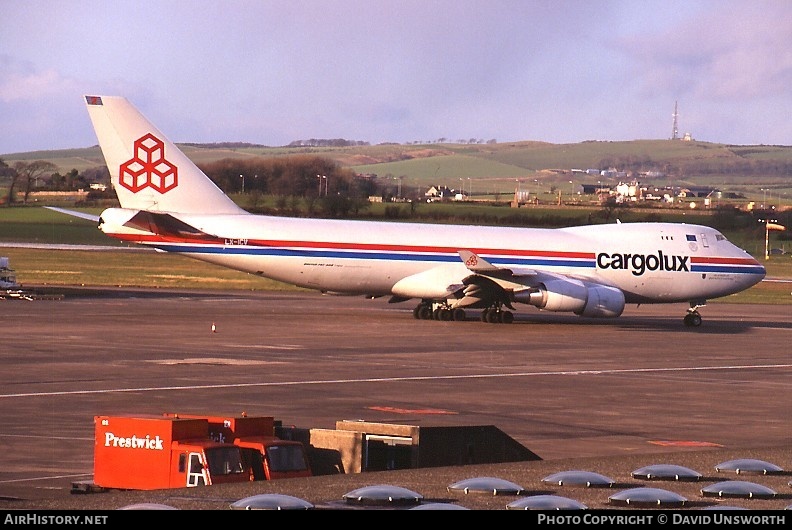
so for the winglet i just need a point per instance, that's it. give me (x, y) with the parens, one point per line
(476, 263)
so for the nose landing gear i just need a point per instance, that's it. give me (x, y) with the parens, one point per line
(693, 318)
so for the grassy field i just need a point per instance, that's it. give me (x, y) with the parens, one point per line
(40, 225)
(127, 268)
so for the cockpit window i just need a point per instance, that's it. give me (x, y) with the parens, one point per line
(720, 237)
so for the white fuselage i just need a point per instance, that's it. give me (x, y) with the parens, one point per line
(649, 262)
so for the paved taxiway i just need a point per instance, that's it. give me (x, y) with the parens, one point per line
(605, 395)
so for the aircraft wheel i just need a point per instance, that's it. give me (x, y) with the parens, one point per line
(484, 315)
(458, 314)
(507, 317)
(493, 317)
(425, 312)
(692, 320)
(445, 315)
(436, 314)
(417, 311)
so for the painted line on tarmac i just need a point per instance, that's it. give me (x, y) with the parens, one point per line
(31, 479)
(394, 379)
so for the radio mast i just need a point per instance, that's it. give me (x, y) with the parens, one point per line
(675, 132)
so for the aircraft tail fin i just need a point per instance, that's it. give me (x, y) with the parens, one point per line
(147, 170)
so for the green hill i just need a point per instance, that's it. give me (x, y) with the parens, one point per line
(494, 167)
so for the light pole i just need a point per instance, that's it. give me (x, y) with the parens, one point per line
(243, 182)
(767, 239)
(770, 224)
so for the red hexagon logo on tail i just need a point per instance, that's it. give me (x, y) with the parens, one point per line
(148, 168)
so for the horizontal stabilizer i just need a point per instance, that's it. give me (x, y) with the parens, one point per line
(81, 215)
(166, 225)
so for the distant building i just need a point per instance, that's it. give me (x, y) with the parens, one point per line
(434, 191)
(439, 193)
(591, 189)
(58, 195)
(698, 191)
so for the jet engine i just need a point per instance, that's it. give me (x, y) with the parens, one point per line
(582, 298)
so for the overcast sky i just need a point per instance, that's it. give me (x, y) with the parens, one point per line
(269, 72)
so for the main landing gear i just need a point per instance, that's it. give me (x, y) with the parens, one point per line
(436, 311)
(693, 318)
(497, 315)
(427, 311)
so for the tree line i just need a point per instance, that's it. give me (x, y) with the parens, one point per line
(304, 176)
(26, 177)
(710, 166)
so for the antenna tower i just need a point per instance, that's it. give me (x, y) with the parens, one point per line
(675, 133)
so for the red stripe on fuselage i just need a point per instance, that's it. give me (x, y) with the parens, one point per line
(723, 261)
(147, 238)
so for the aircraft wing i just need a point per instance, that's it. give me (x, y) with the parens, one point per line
(518, 275)
(489, 283)
(492, 285)
(472, 282)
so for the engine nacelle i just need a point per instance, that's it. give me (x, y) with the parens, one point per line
(603, 301)
(582, 298)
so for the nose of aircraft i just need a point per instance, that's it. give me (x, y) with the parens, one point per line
(756, 275)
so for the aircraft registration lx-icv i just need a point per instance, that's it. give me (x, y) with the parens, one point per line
(168, 203)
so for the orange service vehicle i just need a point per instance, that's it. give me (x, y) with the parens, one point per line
(265, 456)
(157, 452)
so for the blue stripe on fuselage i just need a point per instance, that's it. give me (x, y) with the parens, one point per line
(437, 258)
(730, 269)
(382, 256)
